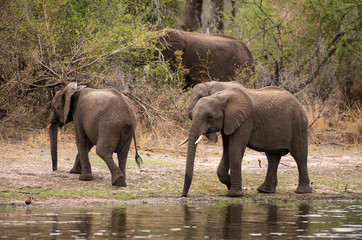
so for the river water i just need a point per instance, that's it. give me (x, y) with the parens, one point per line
(249, 220)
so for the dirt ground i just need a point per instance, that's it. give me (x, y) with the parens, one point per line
(25, 170)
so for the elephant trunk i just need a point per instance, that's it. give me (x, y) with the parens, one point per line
(191, 107)
(191, 151)
(53, 134)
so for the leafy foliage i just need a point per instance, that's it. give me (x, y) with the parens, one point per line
(310, 47)
(49, 43)
(313, 44)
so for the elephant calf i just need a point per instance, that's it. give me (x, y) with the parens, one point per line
(104, 118)
(268, 120)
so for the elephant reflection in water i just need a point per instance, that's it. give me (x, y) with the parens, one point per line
(275, 218)
(303, 219)
(118, 223)
(233, 228)
(238, 221)
(215, 223)
(81, 224)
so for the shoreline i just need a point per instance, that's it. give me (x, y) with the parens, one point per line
(25, 170)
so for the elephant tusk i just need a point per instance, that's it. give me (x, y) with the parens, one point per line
(183, 142)
(199, 139)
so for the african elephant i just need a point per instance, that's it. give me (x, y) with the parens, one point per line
(268, 120)
(206, 89)
(104, 118)
(207, 56)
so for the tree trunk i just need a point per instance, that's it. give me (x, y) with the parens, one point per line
(192, 17)
(217, 11)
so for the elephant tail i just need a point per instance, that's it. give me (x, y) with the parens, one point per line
(138, 158)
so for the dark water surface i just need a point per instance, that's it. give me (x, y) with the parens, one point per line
(313, 220)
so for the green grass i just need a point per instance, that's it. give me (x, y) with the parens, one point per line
(97, 162)
(6, 205)
(336, 184)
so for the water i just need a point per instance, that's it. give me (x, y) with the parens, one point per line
(315, 220)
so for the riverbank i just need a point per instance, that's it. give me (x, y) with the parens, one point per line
(25, 171)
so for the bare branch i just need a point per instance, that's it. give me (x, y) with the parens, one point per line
(319, 115)
(331, 49)
(52, 71)
(269, 28)
(100, 57)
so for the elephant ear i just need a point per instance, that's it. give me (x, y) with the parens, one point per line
(68, 92)
(215, 87)
(237, 109)
(175, 40)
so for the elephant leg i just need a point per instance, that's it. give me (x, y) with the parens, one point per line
(271, 179)
(300, 154)
(105, 151)
(122, 159)
(223, 172)
(236, 153)
(224, 166)
(77, 168)
(83, 150)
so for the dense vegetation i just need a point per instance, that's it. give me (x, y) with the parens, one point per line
(311, 48)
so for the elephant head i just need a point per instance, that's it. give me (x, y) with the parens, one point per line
(171, 40)
(224, 111)
(61, 113)
(209, 88)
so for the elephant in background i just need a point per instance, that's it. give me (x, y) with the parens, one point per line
(207, 56)
(104, 118)
(268, 120)
(206, 89)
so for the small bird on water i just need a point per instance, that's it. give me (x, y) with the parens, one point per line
(28, 201)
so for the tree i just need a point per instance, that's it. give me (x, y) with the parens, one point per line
(207, 15)
(45, 44)
(307, 45)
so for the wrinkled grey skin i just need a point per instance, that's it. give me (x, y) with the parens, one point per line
(208, 56)
(206, 89)
(268, 120)
(104, 118)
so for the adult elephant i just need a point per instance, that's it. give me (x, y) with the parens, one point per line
(207, 56)
(269, 120)
(104, 118)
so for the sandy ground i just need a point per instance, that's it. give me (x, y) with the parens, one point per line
(25, 170)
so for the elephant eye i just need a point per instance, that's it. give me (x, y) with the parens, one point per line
(209, 117)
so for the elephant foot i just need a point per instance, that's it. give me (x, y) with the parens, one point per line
(302, 190)
(85, 177)
(264, 188)
(119, 181)
(225, 181)
(75, 170)
(233, 193)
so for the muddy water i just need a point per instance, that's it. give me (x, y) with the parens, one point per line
(342, 219)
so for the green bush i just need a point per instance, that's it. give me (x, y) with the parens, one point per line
(311, 48)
